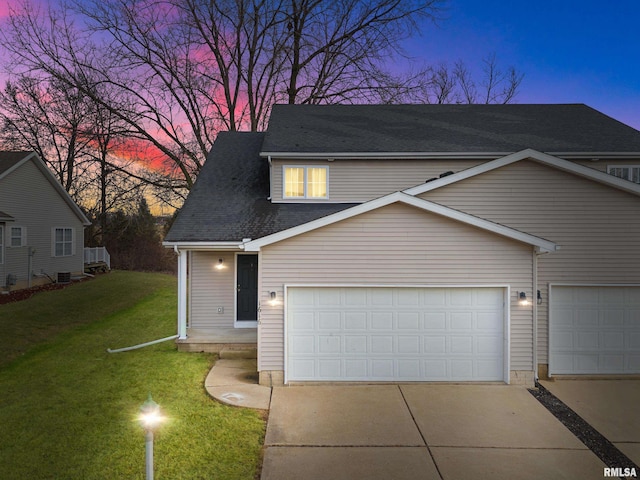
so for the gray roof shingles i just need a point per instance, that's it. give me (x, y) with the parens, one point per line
(229, 201)
(551, 128)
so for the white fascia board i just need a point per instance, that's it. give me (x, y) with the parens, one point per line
(535, 156)
(439, 155)
(205, 246)
(384, 155)
(540, 243)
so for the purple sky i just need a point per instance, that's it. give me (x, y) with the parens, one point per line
(569, 51)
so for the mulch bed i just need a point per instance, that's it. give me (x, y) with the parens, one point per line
(23, 294)
(594, 440)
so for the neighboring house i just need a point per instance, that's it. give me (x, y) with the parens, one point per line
(419, 243)
(41, 228)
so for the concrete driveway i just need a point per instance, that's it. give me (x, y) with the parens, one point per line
(419, 432)
(610, 406)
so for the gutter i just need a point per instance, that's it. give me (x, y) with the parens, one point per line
(440, 155)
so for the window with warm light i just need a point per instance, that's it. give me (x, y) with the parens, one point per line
(305, 182)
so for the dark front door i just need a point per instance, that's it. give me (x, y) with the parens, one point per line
(247, 300)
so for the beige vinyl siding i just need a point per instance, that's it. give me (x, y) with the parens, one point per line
(597, 227)
(34, 203)
(210, 289)
(361, 180)
(395, 245)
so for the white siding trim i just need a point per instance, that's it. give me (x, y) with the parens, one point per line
(506, 299)
(534, 155)
(235, 245)
(399, 197)
(435, 155)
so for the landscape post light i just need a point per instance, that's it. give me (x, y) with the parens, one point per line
(150, 418)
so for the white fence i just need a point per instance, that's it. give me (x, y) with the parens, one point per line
(97, 255)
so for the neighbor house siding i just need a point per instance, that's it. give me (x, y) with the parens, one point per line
(352, 181)
(34, 203)
(597, 227)
(210, 289)
(395, 245)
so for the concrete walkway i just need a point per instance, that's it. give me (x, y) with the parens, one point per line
(428, 431)
(235, 382)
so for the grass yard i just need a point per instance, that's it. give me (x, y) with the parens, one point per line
(68, 408)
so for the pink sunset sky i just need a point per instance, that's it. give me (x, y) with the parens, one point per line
(570, 51)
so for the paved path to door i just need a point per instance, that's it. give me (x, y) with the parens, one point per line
(419, 432)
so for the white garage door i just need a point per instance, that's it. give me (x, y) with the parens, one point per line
(395, 334)
(594, 330)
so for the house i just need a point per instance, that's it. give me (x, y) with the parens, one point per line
(418, 243)
(41, 228)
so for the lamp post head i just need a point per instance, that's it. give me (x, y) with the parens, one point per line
(150, 416)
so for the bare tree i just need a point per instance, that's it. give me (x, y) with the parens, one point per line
(185, 69)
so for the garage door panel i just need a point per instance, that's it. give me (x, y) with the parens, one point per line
(594, 330)
(396, 334)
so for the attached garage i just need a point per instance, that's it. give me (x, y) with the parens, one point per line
(594, 330)
(384, 333)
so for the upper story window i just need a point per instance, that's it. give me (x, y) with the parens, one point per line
(628, 172)
(62, 242)
(305, 182)
(18, 237)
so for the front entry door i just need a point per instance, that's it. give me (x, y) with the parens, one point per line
(247, 288)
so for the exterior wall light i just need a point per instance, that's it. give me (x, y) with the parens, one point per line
(522, 298)
(539, 298)
(150, 419)
(272, 301)
(220, 264)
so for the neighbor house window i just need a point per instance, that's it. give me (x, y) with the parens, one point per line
(305, 182)
(63, 242)
(1, 244)
(631, 172)
(18, 237)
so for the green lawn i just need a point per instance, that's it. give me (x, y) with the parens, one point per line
(68, 408)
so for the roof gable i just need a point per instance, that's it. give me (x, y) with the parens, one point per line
(539, 243)
(529, 154)
(443, 130)
(11, 161)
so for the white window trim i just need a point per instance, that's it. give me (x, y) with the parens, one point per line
(53, 242)
(305, 196)
(23, 236)
(627, 167)
(1, 244)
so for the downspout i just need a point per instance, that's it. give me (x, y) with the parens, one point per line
(534, 296)
(270, 178)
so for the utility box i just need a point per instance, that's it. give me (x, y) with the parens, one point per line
(11, 279)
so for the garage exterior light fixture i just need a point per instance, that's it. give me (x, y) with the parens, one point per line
(522, 299)
(220, 264)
